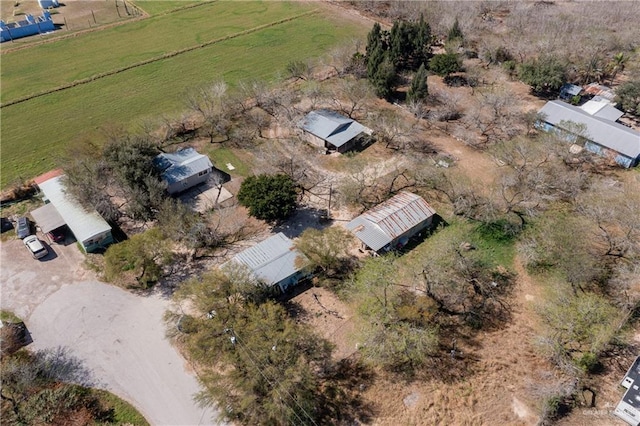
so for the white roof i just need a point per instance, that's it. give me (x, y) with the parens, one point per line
(607, 133)
(602, 108)
(84, 224)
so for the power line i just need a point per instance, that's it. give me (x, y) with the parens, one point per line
(280, 385)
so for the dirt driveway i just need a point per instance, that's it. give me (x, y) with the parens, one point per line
(118, 335)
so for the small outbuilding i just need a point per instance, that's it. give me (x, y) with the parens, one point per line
(568, 91)
(185, 169)
(391, 224)
(628, 409)
(88, 227)
(274, 262)
(332, 131)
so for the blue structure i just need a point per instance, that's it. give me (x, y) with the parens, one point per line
(30, 26)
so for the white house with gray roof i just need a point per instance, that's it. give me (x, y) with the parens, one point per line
(332, 131)
(602, 136)
(274, 262)
(184, 169)
(389, 225)
(628, 409)
(88, 227)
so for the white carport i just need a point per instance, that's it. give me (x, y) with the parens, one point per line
(48, 218)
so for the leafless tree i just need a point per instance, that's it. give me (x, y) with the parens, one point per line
(350, 96)
(393, 130)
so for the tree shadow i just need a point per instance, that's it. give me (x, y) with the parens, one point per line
(341, 402)
(59, 364)
(303, 218)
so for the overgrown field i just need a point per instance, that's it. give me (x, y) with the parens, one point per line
(230, 40)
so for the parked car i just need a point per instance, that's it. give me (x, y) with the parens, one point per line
(35, 246)
(57, 235)
(6, 225)
(23, 227)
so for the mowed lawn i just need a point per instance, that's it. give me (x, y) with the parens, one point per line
(35, 133)
(47, 66)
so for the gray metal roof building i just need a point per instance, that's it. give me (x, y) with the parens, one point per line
(88, 227)
(604, 132)
(273, 261)
(380, 226)
(181, 164)
(628, 409)
(332, 127)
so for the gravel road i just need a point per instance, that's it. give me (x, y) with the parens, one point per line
(119, 336)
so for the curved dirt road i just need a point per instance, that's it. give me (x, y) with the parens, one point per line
(120, 337)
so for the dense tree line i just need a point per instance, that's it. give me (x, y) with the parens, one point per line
(406, 46)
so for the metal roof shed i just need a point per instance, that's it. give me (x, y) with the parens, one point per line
(398, 218)
(89, 228)
(273, 261)
(332, 127)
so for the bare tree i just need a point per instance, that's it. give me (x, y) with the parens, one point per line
(394, 131)
(350, 96)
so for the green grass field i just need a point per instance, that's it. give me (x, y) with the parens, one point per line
(36, 132)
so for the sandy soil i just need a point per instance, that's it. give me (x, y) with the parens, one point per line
(119, 336)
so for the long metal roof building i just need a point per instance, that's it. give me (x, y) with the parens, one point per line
(88, 227)
(604, 132)
(387, 221)
(273, 260)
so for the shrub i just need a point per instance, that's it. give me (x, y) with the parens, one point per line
(268, 197)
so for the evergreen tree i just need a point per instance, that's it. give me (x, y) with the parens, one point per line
(546, 74)
(384, 79)
(374, 60)
(374, 39)
(455, 32)
(401, 44)
(422, 42)
(418, 90)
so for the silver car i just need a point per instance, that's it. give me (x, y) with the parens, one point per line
(37, 250)
(23, 227)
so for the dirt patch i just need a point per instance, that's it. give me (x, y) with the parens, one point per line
(329, 316)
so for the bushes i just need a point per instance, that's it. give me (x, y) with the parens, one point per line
(445, 64)
(143, 257)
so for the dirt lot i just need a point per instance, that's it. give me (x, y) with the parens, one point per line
(119, 336)
(71, 16)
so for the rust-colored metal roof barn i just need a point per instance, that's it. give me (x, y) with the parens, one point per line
(392, 223)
